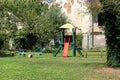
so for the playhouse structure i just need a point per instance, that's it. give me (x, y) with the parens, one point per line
(67, 37)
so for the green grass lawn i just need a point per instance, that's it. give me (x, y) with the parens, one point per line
(47, 67)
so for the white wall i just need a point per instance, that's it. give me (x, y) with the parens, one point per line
(79, 15)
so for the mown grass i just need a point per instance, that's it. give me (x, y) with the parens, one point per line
(47, 67)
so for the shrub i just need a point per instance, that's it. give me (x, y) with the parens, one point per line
(79, 38)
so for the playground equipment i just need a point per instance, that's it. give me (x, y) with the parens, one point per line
(67, 37)
(30, 54)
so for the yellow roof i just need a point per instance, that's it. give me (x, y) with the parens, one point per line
(67, 26)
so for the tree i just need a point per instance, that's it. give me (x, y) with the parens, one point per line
(54, 19)
(94, 8)
(39, 23)
(7, 25)
(111, 16)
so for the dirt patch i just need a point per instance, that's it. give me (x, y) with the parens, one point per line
(110, 71)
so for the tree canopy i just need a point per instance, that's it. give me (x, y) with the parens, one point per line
(39, 24)
(95, 7)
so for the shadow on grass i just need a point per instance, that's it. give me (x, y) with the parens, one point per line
(93, 63)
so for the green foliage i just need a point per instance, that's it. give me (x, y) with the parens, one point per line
(111, 17)
(4, 53)
(3, 40)
(20, 39)
(7, 25)
(40, 24)
(79, 38)
(95, 8)
(49, 50)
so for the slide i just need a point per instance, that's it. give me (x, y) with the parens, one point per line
(66, 46)
(65, 50)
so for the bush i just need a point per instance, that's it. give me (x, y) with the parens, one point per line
(4, 53)
(79, 38)
(48, 50)
(3, 40)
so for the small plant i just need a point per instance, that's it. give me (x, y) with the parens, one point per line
(79, 38)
